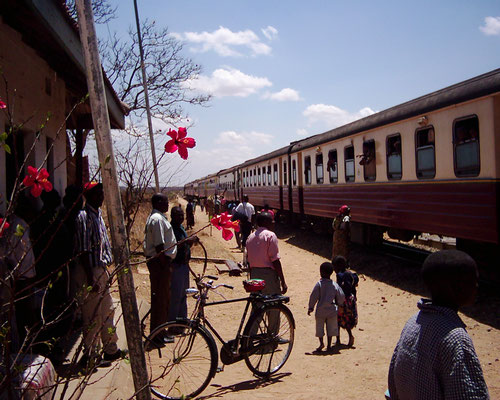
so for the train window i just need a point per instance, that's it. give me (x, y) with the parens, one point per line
(368, 160)
(307, 170)
(275, 173)
(333, 172)
(251, 175)
(349, 163)
(466, 144)
(285, 173)
(269, 175)
(394, 161)
(260, 176)
(255, 176)
(294, 172)
(319, 168)
(425, 153)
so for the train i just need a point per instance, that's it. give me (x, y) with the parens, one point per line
(429, 165)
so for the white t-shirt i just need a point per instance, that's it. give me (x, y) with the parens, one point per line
(247, 209)
(159, 231)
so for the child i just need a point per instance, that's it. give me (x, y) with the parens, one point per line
(435, 356)
(348, 312)
(328, 295)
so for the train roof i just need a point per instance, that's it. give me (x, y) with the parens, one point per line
(275, 153)
(479, 86)
(470, 89)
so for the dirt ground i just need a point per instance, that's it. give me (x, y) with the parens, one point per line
(387, 295)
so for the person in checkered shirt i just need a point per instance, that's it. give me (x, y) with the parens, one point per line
(435, 357)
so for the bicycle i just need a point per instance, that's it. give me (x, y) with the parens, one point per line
(184, 368)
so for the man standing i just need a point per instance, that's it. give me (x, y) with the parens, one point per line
(263, 256)
(247, 210)
(180, 267)
(435, 357)
(94, 254)
(160, 249)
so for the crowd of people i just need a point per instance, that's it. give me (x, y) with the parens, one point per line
(55, 266)
(57, 261)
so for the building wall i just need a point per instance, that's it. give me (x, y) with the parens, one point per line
(34, 92)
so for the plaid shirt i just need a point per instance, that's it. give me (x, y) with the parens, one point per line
(92, 237)
(435, 358)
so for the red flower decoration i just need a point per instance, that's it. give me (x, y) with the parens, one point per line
(223, 222)
(2, 105)
(179, 142)
(37, 180)
(3, 226)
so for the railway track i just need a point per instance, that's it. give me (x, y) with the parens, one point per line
(403, 252)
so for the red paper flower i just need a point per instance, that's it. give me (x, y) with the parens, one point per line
(223, 222)
(3, 227)
(37, 180)
(2, 105)
(179, 142)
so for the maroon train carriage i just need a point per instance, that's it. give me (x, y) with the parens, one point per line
(429, 165)
(263, 180)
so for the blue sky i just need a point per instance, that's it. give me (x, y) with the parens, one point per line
(284, 70)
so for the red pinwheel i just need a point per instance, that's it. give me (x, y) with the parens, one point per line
(223, 222)
(37, 180)
(3, 226)
(179, 142)
(2, 105)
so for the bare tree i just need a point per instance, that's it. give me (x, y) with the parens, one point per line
(167, 72)
(135, 172)
(103, 11)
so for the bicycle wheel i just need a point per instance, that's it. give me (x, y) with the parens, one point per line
(183, 368)
(268, 339)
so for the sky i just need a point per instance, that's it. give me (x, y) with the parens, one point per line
(281, 71)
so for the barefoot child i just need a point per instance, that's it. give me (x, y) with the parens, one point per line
(327, 294)
(348, 312)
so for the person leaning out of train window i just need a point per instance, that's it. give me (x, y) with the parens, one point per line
(341, 232)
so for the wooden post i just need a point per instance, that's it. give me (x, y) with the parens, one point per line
(102, 129)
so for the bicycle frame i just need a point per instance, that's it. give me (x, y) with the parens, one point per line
(257, 300)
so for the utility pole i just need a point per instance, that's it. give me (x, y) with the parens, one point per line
(146, 98)
(95, 84)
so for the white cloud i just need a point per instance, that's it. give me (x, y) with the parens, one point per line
(302, 132)
(286, 94)
(332, 116)
(244, 139)
(230, 148)
(228, 82)
(270, 32)
(225, 42)
(260, 138)
(491, 26)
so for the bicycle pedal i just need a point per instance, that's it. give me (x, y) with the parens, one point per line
(220, 369)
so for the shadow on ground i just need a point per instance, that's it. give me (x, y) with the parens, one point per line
(392, 271)
(245, 386)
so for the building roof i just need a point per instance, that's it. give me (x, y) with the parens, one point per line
(47, 27)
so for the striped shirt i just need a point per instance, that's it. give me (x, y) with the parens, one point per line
(435, 359)
(92, 237)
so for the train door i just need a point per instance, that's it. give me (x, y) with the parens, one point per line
(280, 182)
(300, 169)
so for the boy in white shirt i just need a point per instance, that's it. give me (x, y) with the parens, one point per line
(327, 294)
